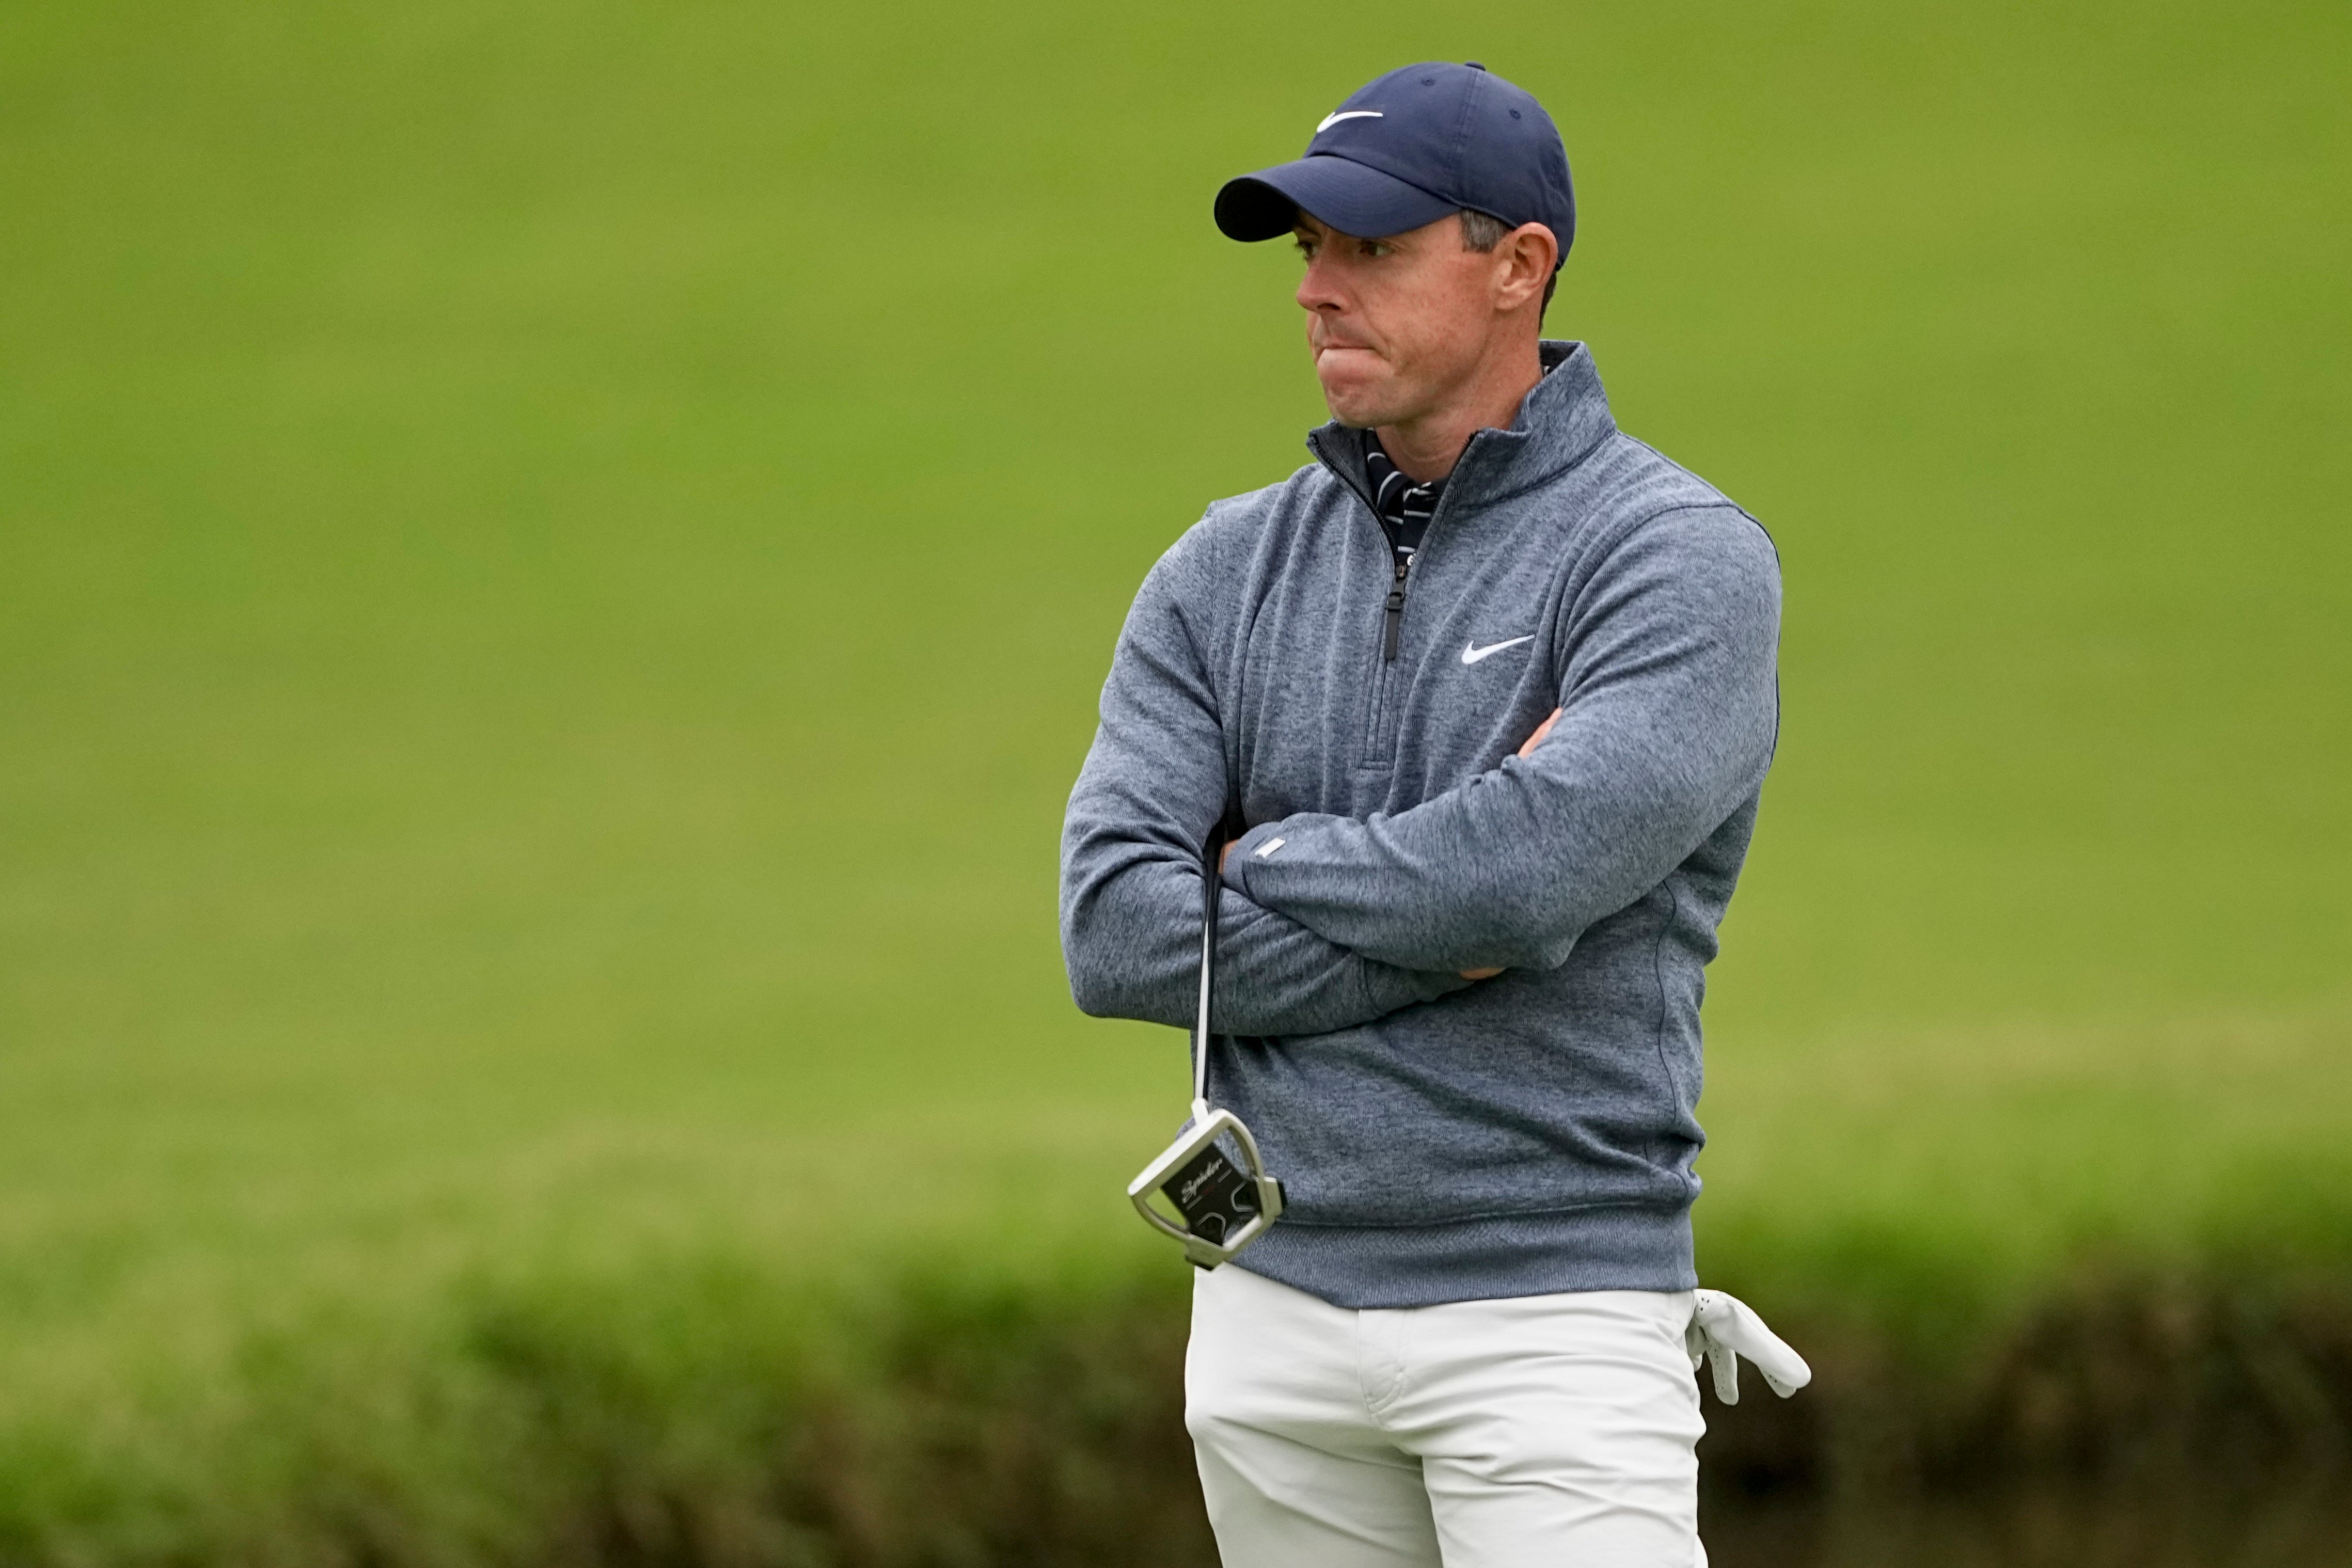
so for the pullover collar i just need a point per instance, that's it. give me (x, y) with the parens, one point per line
(1561, 419)
(1404, 507)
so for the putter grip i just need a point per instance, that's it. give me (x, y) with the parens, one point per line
(1212, 885)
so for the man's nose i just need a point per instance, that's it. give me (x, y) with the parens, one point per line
(1315, 291)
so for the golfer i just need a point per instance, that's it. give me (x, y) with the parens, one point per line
(1488, 691)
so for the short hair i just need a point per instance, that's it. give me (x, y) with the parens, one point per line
(1485, 231)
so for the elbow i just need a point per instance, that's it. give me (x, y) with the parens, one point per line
(1084, 959)
(1094, 992)
(1111, 966)
(1092, 984)
(1100, 984)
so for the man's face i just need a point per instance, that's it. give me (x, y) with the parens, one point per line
(1397, 324)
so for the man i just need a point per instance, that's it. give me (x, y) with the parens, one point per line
(1489, 687)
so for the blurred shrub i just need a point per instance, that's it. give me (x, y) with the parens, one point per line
(715, 1412)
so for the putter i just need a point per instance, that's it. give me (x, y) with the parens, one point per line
(1211, 1175)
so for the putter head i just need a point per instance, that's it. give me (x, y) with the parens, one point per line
(1224, 1202)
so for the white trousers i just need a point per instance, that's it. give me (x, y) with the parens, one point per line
(1532, 1432)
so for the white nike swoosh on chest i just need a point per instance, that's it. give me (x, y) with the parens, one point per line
(1472, 653)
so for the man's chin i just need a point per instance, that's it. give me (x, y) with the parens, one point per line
(1358, 407)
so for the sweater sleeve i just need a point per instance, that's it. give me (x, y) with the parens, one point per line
(1153, 788)
(1669, 714)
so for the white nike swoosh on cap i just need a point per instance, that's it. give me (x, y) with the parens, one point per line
(1331, 119)
(1472, 653)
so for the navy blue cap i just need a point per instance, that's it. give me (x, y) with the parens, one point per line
(1406, 150)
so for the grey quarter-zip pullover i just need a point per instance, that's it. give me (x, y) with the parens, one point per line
(1442, 1139)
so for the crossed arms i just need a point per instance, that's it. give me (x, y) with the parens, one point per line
(1665, 724)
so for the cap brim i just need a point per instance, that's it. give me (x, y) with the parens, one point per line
(1352, 197)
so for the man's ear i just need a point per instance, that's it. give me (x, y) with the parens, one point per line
(1530, 250)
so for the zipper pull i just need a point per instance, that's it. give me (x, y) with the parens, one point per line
(1396, 612)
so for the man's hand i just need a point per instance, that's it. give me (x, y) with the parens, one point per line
(1527, 747)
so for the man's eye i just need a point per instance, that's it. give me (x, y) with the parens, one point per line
(1374, 247)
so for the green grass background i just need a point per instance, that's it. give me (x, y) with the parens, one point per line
(555, 561)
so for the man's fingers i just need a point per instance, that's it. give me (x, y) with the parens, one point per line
(1541, 730)
(1225, 855)
(1480, 974)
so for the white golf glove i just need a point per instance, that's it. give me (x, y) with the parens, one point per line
(1724, 1328)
